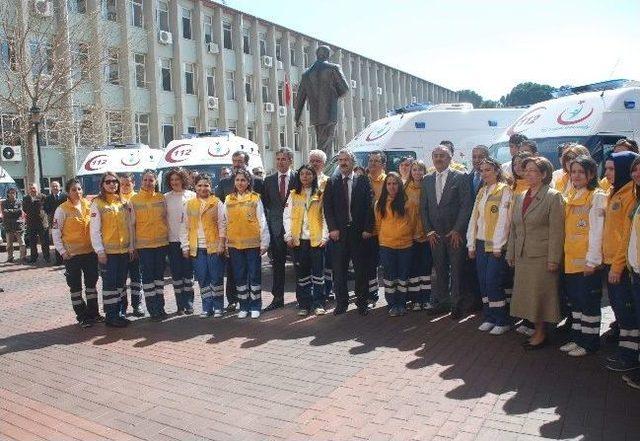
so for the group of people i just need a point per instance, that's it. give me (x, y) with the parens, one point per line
(530, 245)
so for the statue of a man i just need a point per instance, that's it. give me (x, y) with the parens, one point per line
(322, 84)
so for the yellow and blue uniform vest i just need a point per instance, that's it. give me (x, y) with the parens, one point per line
(243, 225)
(151, 228)
(209, 218)
(114, 219)
(75, 231)
(315, 216)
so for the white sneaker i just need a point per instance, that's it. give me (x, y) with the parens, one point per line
(255, 314)
(486, 326)
(499, 330)
(217, 313)
(320, 311)
(427, 306)
(204, 315)
(578, 352)
(303, 312)
(525, 330)
(243, 314)
(569, 347)
(417, 307)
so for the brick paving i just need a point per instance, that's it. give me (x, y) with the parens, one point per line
(287, 378)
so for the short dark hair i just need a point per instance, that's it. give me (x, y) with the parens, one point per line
(202, 177)
(181, 173)
(517, 138)
(530, 144)
(382, 154)
(70, 183)
(245, 155)
(629, 144)
(448, 144)
(496, 166)
(544, 166)
(285, 151)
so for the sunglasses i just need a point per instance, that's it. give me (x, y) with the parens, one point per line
(110, 181)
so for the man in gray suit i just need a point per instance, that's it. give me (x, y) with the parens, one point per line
(322, 84)
(445, 208)
(274, 197)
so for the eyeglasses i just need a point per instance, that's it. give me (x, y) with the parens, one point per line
(110, 181)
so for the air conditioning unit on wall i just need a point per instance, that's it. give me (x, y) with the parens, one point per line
(282, 111)
(165, 37)
(212, 102)
(354, 83)
(269, 107)
(213, 48)
(267, 61)
(11, 153)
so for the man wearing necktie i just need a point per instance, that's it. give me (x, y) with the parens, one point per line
(445, 207)
(51, 202)
(274, 198)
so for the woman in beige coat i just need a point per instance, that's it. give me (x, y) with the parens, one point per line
(535, 250)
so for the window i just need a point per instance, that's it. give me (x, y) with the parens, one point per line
(248, 88)
(8, 54)
(192, 125)
(226, 35)
(84, 135)
(265, 90)
(283, 137)
(207, 27)
(42, 58)
(281, 94)
(167, 130)
(81, 60)
(232, 125)
(294, 93)
(230, 86)
(267, 136)
(142, 128)
(110, 10)
(250, 132)
(137, 15)
(166, 74)
(78, 6)
(186, 24)
(305, 56)
(292, 57)
(189, 78)
(163, 15)
(115, 127)
(263, 45)
(211, 81)
(246, 41)
(9, 129)
(278, 50)
(141, 70)
(113, 69)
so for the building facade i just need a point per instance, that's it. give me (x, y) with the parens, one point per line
(179, 66)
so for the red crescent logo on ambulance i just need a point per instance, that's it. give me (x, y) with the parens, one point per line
(178, 153)
(131, 161)
(573, 115)
(525, 120)
(217, 150)
(96, 162)
(379, 132)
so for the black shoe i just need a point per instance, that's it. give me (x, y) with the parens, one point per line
(456, 313)
(180, 311)
(164, 314)
(529, 347)
(47, 259)
(188, 311)
(363, 310)
(274, 305)
(116, 323)
(156, 318)
(622, 365)
(138, 312)
(86, 323)
(340, 310)
(99, 318)
(126, 321)
(32, 260)
(231, 307)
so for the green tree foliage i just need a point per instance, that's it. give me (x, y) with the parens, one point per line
(470, 96)
(528, 93)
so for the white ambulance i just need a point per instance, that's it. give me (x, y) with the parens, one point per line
(6, 182)
(119, 158)
(207, 152)
(596, 116)
(417, 133)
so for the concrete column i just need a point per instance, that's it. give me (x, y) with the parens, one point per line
(175, 15)
(303, 130)
(340, 126)
(366, 80)
(257, 86)
(286, 61)
(220, 67)
(241, 97)
(348, 99)
(96, 51)
(125, 57)
(374, 91)
(357, 106)
(273, 85)
(398, 89)
(153, 70)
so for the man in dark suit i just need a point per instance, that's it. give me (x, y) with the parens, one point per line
(37, 223)
(239, 159)
(322, 84)
(274, 198)
(51, 202)
(445, 208)
(348, 210)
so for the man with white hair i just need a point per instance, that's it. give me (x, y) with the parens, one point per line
(445, 207)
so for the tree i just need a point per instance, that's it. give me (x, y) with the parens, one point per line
(528, 93)
(469, 96)
(489, 104)
(47, 64)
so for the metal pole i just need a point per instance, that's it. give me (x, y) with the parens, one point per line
(37, 127)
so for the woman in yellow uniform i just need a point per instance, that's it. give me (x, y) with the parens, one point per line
(419, 289)
(247, 239)
(583, 225)
(127, 191)
(110, 239)
(70, 233)
(201, 234)
(620, 204)
(150, 239)
(396, 226)
(487, 236)
(306, 233)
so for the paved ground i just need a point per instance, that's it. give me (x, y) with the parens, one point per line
(281, 377)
